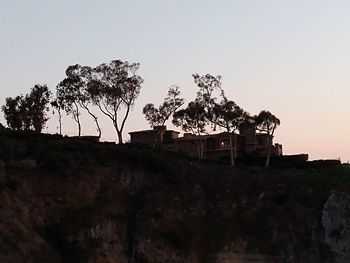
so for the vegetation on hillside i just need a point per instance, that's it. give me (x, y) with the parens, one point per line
(112, 89)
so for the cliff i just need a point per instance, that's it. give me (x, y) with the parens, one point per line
(66, 200)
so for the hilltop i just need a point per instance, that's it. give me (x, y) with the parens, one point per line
(69, 200)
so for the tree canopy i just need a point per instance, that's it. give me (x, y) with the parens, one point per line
(219, 110)
(68, 94)
(193, 119)
(114, 88)
(28, 112)
(159, 116)
(267, 122)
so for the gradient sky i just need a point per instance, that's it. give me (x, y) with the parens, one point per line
(291, 57)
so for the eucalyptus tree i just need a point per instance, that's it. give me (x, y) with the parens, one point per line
(193, 119)
(228, 115)
(72, 94)
(13, 112)
(220, 111)
(58, 106)
(159, 116)
(83, 77)
(267, 122)
(28, 112)
(209, 87)
(37, 103)
(67, 93)
(114, 88)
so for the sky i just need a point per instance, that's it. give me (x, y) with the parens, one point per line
(291, 57)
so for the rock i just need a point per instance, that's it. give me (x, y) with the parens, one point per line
(336, 224)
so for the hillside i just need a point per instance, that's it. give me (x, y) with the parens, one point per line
(66, 200)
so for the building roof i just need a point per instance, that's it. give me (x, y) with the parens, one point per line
(153, 131)
(190, 136)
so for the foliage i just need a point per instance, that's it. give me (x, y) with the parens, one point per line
(57, 105)
(68, 94)
(225, 114)
(73, 93)
(267, 122)
(114, 88)
(228, 115)
(28, 112)
(158, 116)
(193, 119)
(38, 105)
(208, 86)
(84, 75)
(13, 111)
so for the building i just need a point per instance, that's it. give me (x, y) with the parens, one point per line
(215, 146)
(159, 135)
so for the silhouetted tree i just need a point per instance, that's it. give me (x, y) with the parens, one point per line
(229, 116)
(114, 89)
(209, 86)
(209, 89)
(37, 105)
(67, 93)
(225, 114)
(57, 105)
(159, 116)
(13, 110)
(267, 122)
(193, 119)
(28, 112)
(83, 77)
(73, 94)
(25, 112)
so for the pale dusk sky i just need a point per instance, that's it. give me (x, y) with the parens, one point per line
(291, 57)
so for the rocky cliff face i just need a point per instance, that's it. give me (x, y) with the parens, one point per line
(165, 209)
(336, 225)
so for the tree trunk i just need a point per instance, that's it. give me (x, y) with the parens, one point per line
(79, 128)
(120, 137)
(60, 121)
(232, 154)
(77, 118)
(98, 128)
(37, 123)
(97, 124)
(95, 119)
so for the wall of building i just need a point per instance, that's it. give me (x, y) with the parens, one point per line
(216, 146)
